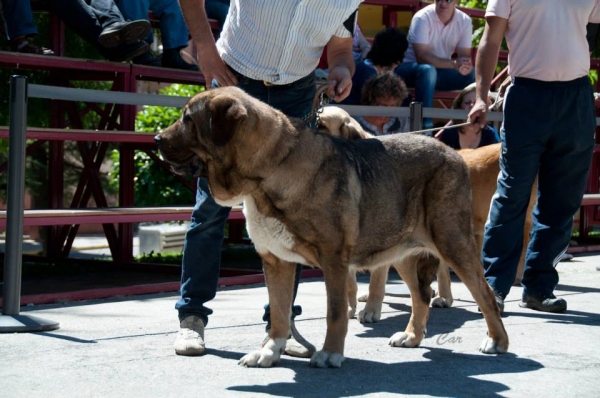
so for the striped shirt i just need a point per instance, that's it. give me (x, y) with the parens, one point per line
(281, 41)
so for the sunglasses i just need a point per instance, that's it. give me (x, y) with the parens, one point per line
(447, 1)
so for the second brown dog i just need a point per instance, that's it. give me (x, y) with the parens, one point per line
(484, 167)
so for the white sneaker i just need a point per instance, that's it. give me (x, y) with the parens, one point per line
(190, 340)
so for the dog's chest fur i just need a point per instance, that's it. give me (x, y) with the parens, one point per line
(270, 235)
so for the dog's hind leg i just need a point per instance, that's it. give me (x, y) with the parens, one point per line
(451, 230)
(372, 311)
(460, 252)
(443, 297)
(417, 271)
(352, 292)
(279, 277)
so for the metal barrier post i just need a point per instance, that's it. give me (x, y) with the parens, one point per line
(10, 320)
(416, 116)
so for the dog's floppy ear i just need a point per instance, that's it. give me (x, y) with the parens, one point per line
(226, 114)
(340, 124)
(352, 130)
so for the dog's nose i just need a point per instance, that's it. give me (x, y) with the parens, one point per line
(157, 139)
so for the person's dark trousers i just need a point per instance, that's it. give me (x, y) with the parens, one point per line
(217, 9)
(202, 247)
(548, 131)
(87, 18)
(18, 19)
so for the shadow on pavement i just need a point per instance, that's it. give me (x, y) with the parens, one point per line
(442, 373)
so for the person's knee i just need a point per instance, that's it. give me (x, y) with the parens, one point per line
(427, 73)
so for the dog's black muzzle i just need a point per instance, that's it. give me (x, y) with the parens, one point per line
(190, 165)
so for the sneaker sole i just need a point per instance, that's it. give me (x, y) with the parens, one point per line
(128, 34)
(191, 352)
(557, 308)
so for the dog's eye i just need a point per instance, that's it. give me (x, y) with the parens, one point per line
(187, 118)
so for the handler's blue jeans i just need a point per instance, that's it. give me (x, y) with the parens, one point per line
(426, 79)
(202, 247)
(548, 130)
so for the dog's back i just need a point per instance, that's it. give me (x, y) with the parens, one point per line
(404, 179)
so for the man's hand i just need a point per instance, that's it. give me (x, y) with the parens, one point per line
(339, 82)
(213, 67)
(478, 113)
(464, 65)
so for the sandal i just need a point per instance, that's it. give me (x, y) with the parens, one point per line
(26, 47)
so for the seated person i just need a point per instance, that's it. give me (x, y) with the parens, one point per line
(19, 27)
(360, 45)
(173, 32)
(97, 21)
(387, 51)
(384, 90)
(437, 32)
(215, 9)
(471, 136)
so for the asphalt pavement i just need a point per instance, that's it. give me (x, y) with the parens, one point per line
(123, 347)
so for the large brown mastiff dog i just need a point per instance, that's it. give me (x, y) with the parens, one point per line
(334, 204)
(484, 166)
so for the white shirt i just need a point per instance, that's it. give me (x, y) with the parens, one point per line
(426, 27)
(546, 38)
(281, 41)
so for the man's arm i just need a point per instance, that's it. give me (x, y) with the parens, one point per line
(487, 59)
(341, 67)
(424, 56)
(211, 64)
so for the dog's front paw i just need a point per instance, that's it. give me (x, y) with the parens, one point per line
(324, 359)
(266, 357)
(363, 298)
(491, 346)
(441, 302)
(369, 315)
(403, 339)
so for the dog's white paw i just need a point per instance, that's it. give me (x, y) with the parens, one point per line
(403, 339)
(266, 357)
(369, 315)
(491, 346)
(441, 302)
(324, 359)
(363, 298)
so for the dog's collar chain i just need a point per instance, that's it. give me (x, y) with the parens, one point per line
(321, 99)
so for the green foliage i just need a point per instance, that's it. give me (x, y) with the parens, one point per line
(154, 119)
(154, 186)
(478, 23)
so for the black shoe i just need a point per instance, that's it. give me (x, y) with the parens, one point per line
(545, 302)
(126, 32)
(499, 302)
(146, 58)
(24, 46)
(126, 52)
(172, 59)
